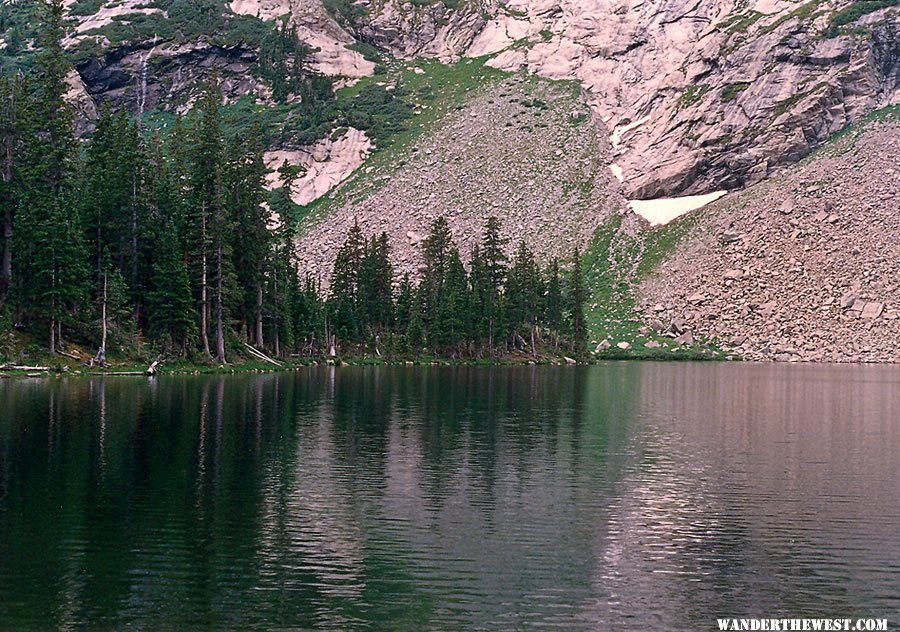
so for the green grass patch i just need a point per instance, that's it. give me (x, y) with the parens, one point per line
(858, 9)
(693, 94)
(786, 104)
(615, 263)
(732, 90)
(803, 12)
(739, 23)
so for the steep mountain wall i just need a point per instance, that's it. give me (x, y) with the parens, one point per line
(704, 95)
(698, 96)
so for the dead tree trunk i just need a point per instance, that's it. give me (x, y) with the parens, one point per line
(259, 314)
(204, 301)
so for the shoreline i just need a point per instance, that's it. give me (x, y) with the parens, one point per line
(133, 369)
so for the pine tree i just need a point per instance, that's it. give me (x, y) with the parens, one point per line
(347, 266)
(576, 299)
(403, 307)
(12, 94)
(523, 294)
(375, 285)
(436, 249)
(49, 238)
(211, 222)
(493, 261)
(552, 315)
(415, 333)
(114, 197)
(252, 219)
(171, 306)
(450, 325)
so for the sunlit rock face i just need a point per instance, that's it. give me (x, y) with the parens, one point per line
(726, 90)
(698, 96)
(315, 27)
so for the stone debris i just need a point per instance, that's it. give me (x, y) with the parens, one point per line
(832, 294)
(493, 156)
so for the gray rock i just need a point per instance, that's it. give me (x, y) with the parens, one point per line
(696, 299)
(847, 300)
(872, 310)
(685, 339)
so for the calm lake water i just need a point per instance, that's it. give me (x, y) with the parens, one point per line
(624, 496)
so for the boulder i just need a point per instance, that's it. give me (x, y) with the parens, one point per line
(652, 344)
(847, 300)
(602, 346)
(872, 310)
(624, 345)
(696, 299)
(685, 339)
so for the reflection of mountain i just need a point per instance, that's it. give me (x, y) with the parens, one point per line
(629, 495)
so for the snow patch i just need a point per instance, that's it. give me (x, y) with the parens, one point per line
(617, 171)
(661, 211)
(616, 138)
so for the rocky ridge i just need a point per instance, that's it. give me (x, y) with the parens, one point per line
(804, 267)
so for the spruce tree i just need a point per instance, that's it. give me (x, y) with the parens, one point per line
(252, 219)
(212, 225)
(493, 260)
(523, 294)
(576, 299)
(171, 306)
(436, 249)
(12, 95)
(49, 239)
(343, 301)
(375, 285)
(450, 325)
(552, 315)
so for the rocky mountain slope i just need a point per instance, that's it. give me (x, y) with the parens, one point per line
(553, 115)
(804, 267)
(469, 165)
(699, 95)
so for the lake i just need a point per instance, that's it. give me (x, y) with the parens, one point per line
(622, 496)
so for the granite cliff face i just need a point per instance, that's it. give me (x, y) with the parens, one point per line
(698, 96)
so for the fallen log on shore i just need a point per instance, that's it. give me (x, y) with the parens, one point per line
(259, 355)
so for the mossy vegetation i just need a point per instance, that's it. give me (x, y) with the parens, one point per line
(732, 90)
(616, 262)
(693, 94)
(839, 23)
(740, 22)
(806, 11)
(858, 9)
